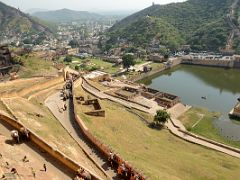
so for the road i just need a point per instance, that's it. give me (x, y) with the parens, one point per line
(235, 29)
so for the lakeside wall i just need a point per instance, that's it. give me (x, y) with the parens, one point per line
(65, 161)
(174, 62)
(213, 63)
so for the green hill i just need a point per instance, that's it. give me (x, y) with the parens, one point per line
(13, 22)
(199, 23)
(67, 15)
(149, 29)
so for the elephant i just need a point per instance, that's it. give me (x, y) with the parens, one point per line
(68, 85)
(15, 135)
(84, 174)
(24, 132)
(122, 170)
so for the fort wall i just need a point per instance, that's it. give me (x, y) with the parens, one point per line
(103, 148)
(45, 147)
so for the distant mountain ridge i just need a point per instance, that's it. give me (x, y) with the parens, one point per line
(13, 22)
(67, 15)
(199, 23)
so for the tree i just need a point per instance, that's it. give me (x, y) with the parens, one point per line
(68, 59)
(128, 60)
(166, 56)
(77, 68)
(161, 117)
(73, 43)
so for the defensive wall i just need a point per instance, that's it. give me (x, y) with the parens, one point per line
(101, 147)
(65, 161)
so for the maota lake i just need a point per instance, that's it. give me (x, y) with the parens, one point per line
(221, 87)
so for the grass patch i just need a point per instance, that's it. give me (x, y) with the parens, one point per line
(204, 126)
(156, 66)
(34, 66)
(95, 63)
(158, 153)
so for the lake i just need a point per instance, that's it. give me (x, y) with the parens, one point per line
(221, 87)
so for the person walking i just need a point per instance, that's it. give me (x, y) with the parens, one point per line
(44, 167)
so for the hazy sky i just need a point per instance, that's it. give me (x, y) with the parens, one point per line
(90, 5)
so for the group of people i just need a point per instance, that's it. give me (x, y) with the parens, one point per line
(82, 175)
(122, 170)
(23, 133)
(14, 170)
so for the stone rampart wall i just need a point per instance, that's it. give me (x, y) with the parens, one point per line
(45, 147)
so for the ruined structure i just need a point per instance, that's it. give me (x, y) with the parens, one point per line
(5, 60)
(166, 100)
(97, 108)
(127, 92)
(235, 113)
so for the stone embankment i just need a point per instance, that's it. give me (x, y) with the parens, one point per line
(204, 62)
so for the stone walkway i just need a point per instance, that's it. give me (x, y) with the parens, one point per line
(174, 126)
(54, 103)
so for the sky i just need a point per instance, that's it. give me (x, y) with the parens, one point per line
(86, 5)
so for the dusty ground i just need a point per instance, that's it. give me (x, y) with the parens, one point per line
(19, 84)
(12, 155)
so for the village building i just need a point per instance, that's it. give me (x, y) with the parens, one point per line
(98, 76)
(235, 113)
(113, 59)
(156, 58)
(72, 51)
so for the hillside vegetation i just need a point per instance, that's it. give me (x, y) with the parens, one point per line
(14, 22)
(149, 29)
(198, 23)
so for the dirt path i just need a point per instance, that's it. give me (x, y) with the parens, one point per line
(235, 30)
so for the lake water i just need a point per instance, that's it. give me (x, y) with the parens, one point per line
(220, 86)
